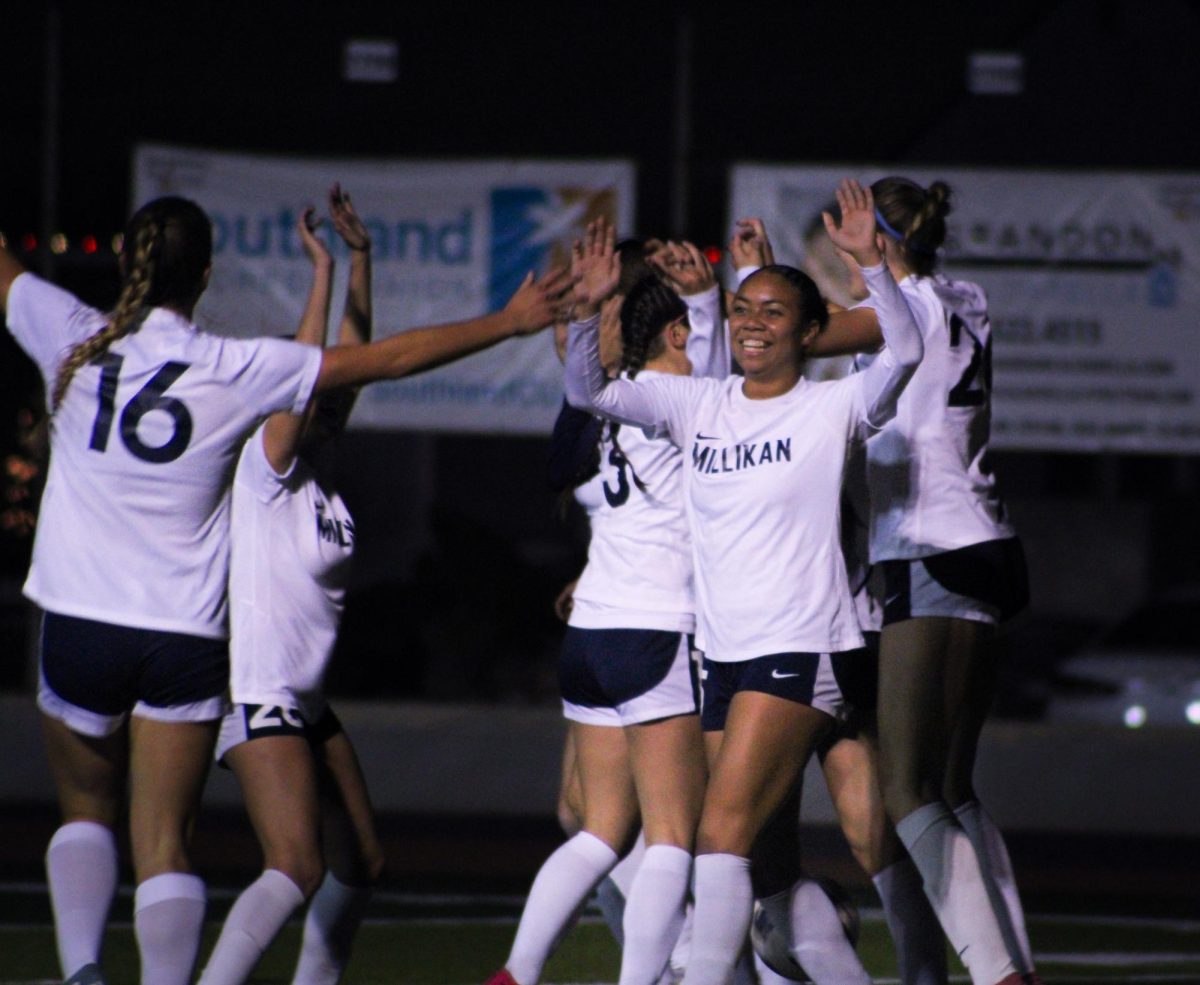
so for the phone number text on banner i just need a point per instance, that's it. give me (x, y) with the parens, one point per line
(1093, 280)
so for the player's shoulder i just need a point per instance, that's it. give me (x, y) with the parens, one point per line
(962, 297)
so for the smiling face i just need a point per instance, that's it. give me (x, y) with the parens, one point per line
(770, 328)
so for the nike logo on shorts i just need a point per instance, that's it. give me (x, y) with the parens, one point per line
(778, 676)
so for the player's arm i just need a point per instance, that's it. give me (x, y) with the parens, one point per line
(533, 307)
(355, 327)
(849, 330)
(283, 431)
(10, 269)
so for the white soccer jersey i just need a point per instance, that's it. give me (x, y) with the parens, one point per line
(291, 548)
(762, 485)
(929, 484)
(762, 481)
(639, 566)
(133, 528)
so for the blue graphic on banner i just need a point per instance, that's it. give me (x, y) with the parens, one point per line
(1163, 286)
(515, 249)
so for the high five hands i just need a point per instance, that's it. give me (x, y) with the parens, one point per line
(856, 232)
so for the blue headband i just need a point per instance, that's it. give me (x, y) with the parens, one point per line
(887, 227)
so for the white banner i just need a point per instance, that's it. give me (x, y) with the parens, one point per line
(1093, 280)
(452, 240)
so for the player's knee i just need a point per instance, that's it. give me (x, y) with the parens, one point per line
(724, 831)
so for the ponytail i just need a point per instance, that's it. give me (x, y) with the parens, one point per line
(918, 215)
(138, 278)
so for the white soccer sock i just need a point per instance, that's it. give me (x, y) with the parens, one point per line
(626, 870)
(562, 884)
(920, 944)
(168, 912)
(682, 950)
(943, 855)
(819, 941)
(252, 923)
(329, 928)
(654, 913)
(998, 877)
(81, 869)
(724, 902)
(614, 889)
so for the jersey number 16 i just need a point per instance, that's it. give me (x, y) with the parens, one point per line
(150, 397)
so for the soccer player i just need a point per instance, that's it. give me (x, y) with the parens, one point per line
(130, 559)
(626, 671)
(763, 468)
(953, 570)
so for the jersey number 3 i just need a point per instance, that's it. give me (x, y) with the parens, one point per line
(150, 397)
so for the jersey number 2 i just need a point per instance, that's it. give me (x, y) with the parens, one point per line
(150, 397)
(973, 387)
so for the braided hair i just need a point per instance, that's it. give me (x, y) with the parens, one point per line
(166, 253)
(919, 214)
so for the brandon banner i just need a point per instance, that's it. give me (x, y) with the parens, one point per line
(451, 240)
(1093, 280)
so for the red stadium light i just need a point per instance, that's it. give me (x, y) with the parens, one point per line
(29, 242)
(88, 243)
(714, 254)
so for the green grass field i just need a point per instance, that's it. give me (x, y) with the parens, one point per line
(460, 941)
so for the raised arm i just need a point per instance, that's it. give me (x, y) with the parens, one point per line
(10, 269)
(691, 276)
(283, 431)
(533, 307)
(596, 270)
(355, 328)
(885, 379)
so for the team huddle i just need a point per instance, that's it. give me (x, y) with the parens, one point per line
(779, 567)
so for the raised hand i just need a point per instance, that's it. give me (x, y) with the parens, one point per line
(855, 234)
(540, 301)
(750, 246)
(595, 267)
(346, 222)
(314, 247)
(684, 268)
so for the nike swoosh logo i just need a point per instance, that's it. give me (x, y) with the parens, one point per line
(705, 437)
(778, 676)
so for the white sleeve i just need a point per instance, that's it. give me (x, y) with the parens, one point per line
(254, 470)
(708, 340)
(887, 376)
(47, 321)
(661, 406)
(272, 374)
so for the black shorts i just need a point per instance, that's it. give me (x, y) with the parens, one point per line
(986, 582)
(93, 674)
(828, 682)
(244, 723)
(626, 676)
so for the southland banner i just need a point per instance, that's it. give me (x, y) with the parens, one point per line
(451, 240)
(1093, 280)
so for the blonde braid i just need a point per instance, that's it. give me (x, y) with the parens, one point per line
(129, 306)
